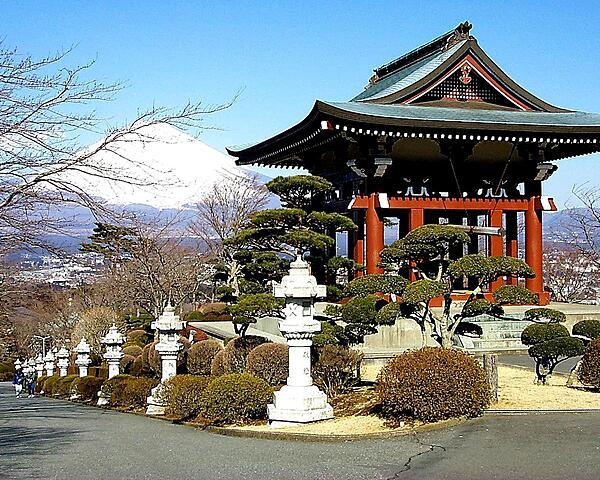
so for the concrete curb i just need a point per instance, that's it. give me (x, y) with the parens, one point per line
(315, 437)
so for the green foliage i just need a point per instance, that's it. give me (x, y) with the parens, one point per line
(304, 240)
(252, 306)
(278, 218)
(432, 384)
(388, 314)
(336, 369)
(114, 242)
(423, 291)
(298, 191)
(557, 347)
(331, 334)
(235, 398)
(269, 361)
(510, 267)
(370, 284)
(542, 332)
(237, 350)
(201, 355)
(475, 265)
(544, 315)
(589, 372)
(334, 293)
(88, 388)
(425, 243)
(481, 306)
(360, 309)
(515, 295)
(182, 394)
(330, 221)
(587, 328)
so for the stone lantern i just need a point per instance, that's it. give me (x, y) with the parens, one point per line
(299, 401)
(39, 365)
(168, 325)
(83, 359)
(114, 353)
(49, 363)
(17, 364)
(63, 361)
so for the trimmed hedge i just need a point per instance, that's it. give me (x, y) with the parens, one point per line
(62, 388)
(129, 392)
(515, 295)
(217, 366)
(126, 363)
(432, 384)
(133, 350)
(237, 350)
(335, 369)
(7, 371)
(235, 398)
(50, 384)
(589, 372)
(200, 356)
(182, 394)
(542, 332)
(39, 385)
(269, 361)
(587, 328)
(88, 387)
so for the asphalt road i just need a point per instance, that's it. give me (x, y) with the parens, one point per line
(524, 360)
(43, 438)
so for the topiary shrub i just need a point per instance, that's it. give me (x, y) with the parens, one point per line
(544, 315)
(432, 384)
(7, 371)
(50, 384)
(138, 337)
(515, 295)
(587, 328)
(125, 363)
(200, 357)
(542, 332)
(88, 387)
(217, 366)
(131, 392)
(194, 316)
(589, 371)
(335, 369)
(39, 385)
(269, 361)
(235, 398)
(133, 350)
(182, 394)
(237, 350)
(137, 368)
(62, 387)
(112, 384)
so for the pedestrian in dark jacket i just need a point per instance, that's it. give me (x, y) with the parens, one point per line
(18, 383)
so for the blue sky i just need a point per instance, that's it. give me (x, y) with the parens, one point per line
(282, 55)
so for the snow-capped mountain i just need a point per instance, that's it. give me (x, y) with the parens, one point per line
(174, 169)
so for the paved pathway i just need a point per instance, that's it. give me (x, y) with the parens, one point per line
(44, 438)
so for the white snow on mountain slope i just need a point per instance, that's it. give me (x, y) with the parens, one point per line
(175, 167)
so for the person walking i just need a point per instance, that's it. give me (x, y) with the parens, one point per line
(30, 381)
(18, 382)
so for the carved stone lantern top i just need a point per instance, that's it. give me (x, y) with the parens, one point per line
(62, 353)
(168, 321)
(299, 283)
(113, 337)
(83, 347)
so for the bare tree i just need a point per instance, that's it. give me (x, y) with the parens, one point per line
(93, 324)
(223, 211)
(570, 276)
(45, 108)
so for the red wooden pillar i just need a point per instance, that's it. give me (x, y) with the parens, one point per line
(356, 241)
(533, 248)
(512, 240)
(374, 236)
(416, 218)
(496, 245)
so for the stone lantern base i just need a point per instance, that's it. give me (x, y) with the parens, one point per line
(155, 406)
(298, 405)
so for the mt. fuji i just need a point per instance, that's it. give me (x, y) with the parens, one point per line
(175, 169)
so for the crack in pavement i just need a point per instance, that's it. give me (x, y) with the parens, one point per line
(407, 465)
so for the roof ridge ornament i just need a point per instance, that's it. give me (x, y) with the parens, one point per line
(462, 32)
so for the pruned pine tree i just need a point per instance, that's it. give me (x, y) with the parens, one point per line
(299, 228)
(426, 251)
